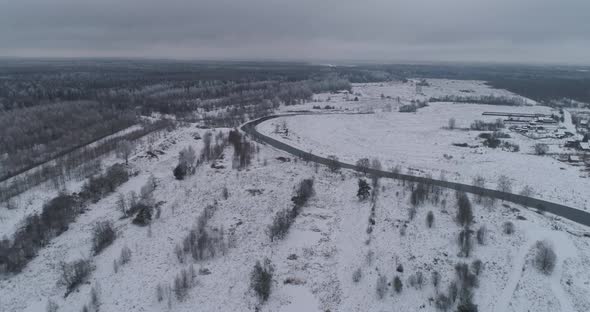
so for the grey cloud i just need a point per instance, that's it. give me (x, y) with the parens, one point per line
(446, 30)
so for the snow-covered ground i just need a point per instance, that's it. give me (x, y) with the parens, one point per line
(419, 142)
(396, 93)
(329, 240)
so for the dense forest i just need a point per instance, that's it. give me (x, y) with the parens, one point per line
(49, 108)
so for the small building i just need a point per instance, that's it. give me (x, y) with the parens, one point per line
(585, 146)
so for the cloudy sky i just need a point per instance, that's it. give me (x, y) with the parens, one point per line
(549, 31)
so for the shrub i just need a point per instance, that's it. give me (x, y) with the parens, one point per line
(464, 210)
(364, 190)
(442, 302)
(103, 234)
(159, 293)
(75, 273)
(303, 192)
(416, 280)
(225, 193)
(452, 123)
(381, 287)
(97, 187)
(467, 280)
(467, 307)
(476, 267)
(464, 242)
(184, 281)
(125, 256)
(261, 279)
(356, 275)
(363, 165)
(453, 291)
(435, 279)
(508, 227)
(481, 235)
(144, 215)
(180, 172)
(430, 219)
(51, 306)
(411, 213)
(504, 184)
(541, 148)
(419, 195)
(280, 225)
(397, 284)
(545, 257)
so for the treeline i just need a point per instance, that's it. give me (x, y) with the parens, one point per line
(34, 135)
(78, 164)
(38, 229)
(546, 89)
(482, 99)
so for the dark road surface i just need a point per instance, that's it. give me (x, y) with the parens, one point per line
(573, 214)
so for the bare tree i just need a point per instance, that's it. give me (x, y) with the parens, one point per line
(452, 123)
(545, 257)
(124, 150)
(504, 184)
(541, 148)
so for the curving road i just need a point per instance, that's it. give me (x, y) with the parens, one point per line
(573, 214)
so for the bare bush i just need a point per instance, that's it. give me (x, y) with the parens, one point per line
(183, 282)
(103, 234)
(363, 165)
(303, 193)
(545, 257)
(416, 280)
(280, 225)
(541, 148)
(75, 273)
(430, 219)
(476, 266)
(356, 275)
(125, 256)
(452, 123)
(527, 191)
(381, 286)
(442, 302)
(508, 227)
(464, 210)
(397, 284)
(51, 306)
(481, 235)
(435, 279)
(364, 190)
(465, 244)
(504, 184)
(261, 279)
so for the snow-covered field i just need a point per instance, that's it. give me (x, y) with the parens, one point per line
(419, 142)
(329, 240)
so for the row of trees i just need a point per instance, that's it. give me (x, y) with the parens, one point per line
(38, 229)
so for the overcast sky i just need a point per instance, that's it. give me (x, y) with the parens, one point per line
(550, 31)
